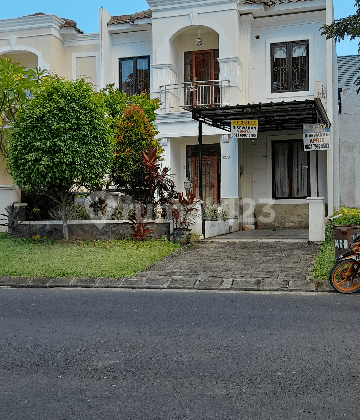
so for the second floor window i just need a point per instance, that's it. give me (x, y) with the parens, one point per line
(134, 75)
(290, 66)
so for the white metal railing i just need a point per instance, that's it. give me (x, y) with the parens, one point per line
(187, 95)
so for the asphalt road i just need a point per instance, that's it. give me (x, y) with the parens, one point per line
(117, 354)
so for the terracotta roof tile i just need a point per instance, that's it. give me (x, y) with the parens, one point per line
(116, 20)
(67, 23)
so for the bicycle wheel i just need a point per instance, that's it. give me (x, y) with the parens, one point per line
(345, 276)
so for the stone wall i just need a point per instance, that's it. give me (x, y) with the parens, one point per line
(285, 216)
(89, 229)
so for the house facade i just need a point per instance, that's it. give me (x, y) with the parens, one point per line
(349, 128)
(211, 63)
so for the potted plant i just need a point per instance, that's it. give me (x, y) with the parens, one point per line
(184, 212)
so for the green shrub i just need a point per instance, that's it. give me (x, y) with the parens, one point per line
(326, 256)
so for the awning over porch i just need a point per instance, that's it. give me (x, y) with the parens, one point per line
(272, 116)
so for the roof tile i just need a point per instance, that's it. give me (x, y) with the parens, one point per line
(116, 20)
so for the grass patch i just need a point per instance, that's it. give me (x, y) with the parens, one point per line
(325, 258)
(46, 258)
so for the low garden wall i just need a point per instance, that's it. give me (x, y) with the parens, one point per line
(216, 228)
(89, 229)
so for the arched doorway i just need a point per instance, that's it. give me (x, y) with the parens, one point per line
(24, 58)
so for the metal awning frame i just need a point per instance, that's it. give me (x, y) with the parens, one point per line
(272, 116)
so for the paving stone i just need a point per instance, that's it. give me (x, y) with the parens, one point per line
(61, 282)
(14, 281)
(208, 284)
(182, 283)
(326, 287)
(244, 284)
(270, 284)
(38, 282)
(85, 282)
(133, 283)
(105, 283)
(301, 285)
(226, 284)
(159, 283)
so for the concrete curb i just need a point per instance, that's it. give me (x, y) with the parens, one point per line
(174, 282)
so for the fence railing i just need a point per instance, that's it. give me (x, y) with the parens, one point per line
(186, 95)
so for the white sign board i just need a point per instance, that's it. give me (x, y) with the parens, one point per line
(247, 129)
(316, 137)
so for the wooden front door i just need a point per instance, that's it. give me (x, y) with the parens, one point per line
(209, 178)
(201, 68)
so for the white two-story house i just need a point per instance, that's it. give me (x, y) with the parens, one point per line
(210, 63)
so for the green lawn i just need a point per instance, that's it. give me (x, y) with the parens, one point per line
(45, 258)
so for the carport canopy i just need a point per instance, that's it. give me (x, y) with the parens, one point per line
(272, 116)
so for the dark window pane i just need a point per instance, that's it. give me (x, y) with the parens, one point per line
(300, 171)
(188, 66)
(281, 173)
(280, 69)
(127, 76)
(299, 67)
(142, 75)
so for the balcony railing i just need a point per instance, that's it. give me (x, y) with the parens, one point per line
(187, 95)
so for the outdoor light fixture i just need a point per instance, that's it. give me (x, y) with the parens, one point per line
(187, 185)
(199, 40)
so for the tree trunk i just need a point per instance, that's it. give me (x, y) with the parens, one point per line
(64, 218)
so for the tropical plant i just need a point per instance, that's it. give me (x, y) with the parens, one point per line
(139, 225)
(11, 218)
(61, 141)
(184, 210)
(17, 84)
(157, 181)
(135, 135)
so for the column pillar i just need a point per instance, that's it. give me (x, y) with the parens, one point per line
(229, 191)
(245, 53)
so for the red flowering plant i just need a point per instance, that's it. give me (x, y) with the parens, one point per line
(184, 211)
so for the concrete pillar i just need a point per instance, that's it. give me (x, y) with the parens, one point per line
(316, 219)
(246, 22)
(229, 191)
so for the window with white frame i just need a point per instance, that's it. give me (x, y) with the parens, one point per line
(134, 75)
(290, 66)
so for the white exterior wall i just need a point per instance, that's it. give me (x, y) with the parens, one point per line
(349, 127)
(283, 30)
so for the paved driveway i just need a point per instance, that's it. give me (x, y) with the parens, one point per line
(236, 265)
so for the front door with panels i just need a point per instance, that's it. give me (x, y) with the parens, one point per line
(201, 69)
(210, 169)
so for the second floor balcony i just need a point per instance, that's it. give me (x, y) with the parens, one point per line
(188, 95)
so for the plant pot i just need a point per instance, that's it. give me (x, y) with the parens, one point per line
(182, 235)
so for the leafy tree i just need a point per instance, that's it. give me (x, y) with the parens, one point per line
(61, 141)
(116, 102)
(349, 26)
(16, 85)
(135, 134)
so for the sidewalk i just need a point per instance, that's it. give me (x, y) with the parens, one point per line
(212, 265)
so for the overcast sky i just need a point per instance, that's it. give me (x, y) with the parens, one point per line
(87, 16)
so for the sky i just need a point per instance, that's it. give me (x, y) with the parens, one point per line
(86, 14)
